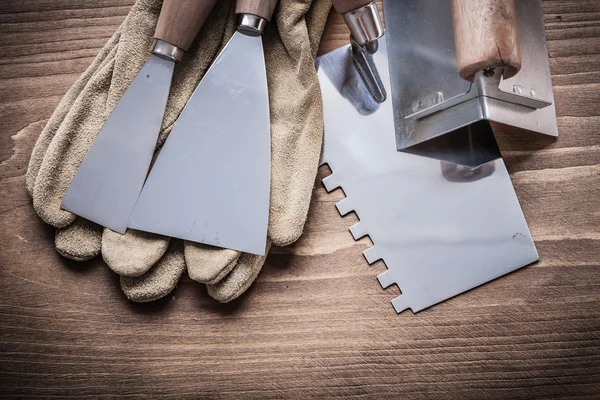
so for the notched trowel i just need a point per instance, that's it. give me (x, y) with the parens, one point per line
(211, 180)
(461, 63)
(110, 177)
(441, 227)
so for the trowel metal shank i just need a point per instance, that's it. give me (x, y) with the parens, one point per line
(431, 99)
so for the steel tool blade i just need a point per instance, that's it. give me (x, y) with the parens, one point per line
(211, 181)
(109, 180)
(431, 99)
(441, 228)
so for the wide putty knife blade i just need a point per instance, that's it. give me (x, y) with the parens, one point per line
(211, 181)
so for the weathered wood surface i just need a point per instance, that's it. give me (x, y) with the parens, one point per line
(316, 323)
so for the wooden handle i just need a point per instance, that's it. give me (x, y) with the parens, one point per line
(180, 21)
(485, 32)
(344, 6)
(261, 8)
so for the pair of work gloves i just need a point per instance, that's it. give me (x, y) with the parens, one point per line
(151, 265)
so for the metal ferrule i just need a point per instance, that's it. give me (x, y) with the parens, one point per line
(365, 24)
(167, 51)
(251, 24)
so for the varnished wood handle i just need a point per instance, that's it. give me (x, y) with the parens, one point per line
(180, 21)
(261, 8)
(485, 32)
(344, 6)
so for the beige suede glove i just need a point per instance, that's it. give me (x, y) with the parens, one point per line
(151, 265)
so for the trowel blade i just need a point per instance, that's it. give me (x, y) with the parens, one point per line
(441, 228)
(210, 183)
(110, 177)
(429, 96)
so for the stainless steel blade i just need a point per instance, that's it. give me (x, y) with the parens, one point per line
(211, 181)
(110, 177)
(441, 228)
(431, 99)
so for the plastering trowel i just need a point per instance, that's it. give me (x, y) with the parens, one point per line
(110, 177)
(444, 221)
(210, 183)
(461, 63)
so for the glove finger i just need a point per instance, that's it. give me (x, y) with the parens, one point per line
(133, 253)
(80, 241)
(296, 119)
(239, 279)
(106, 55)
(160, 280)
(208, 264)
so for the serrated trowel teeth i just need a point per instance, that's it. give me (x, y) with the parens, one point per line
(331, 182)
(400, 303)
(385, 279)
(372, 254)
(357, 230)
(344, 207)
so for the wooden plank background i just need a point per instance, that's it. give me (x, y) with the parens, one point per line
(316, 323)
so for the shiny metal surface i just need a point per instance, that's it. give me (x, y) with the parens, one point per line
(364, 23)
(166, 50)
(363, 62)
(441, 228)
(431, 99)
(110, 177)
(211, 181)
(251, 24)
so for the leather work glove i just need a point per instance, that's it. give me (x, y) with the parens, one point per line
(150, 265)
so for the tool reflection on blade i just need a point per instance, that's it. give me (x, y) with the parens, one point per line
(366, 29)
(363, 61)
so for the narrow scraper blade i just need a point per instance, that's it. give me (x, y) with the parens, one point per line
(110, 178)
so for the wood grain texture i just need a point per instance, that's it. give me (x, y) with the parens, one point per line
(316, 323)
(344, 6)
(262, 8)
(486, 36)
(180, 21)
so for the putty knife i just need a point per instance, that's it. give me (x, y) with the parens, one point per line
(211, 181)
(456, 63)
(441, 228)
(110, 177)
